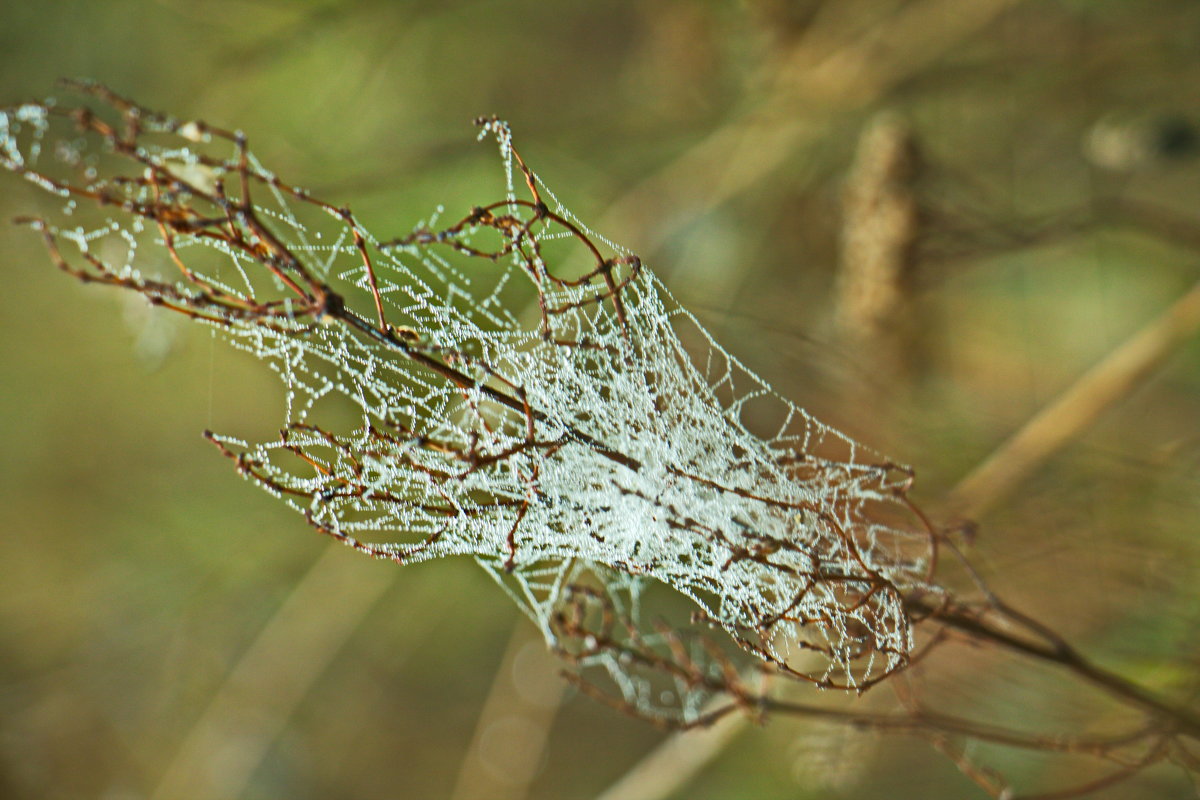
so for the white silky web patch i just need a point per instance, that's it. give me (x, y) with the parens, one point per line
(580, 435)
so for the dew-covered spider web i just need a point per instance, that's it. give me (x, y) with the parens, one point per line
(470, 389)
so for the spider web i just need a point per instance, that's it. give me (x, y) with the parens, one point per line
(592, 455)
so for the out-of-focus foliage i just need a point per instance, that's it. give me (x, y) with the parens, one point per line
(1056, 194)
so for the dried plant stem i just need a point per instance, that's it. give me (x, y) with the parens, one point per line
(1105, 384)
(1160, 736)
(1053, 649)
(880, 226)
(671, 765)
(924, 722)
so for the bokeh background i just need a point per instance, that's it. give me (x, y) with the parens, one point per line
(169, 631)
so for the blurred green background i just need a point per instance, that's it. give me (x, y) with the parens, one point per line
(167, 630)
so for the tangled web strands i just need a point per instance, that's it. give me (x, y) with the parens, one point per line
(573, 429)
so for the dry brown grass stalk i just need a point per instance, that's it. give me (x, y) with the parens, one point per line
(873, 309)
(1111, 380)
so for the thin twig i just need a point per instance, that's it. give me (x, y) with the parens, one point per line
(1050, 429)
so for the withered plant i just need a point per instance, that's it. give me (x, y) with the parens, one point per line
(509, 386)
